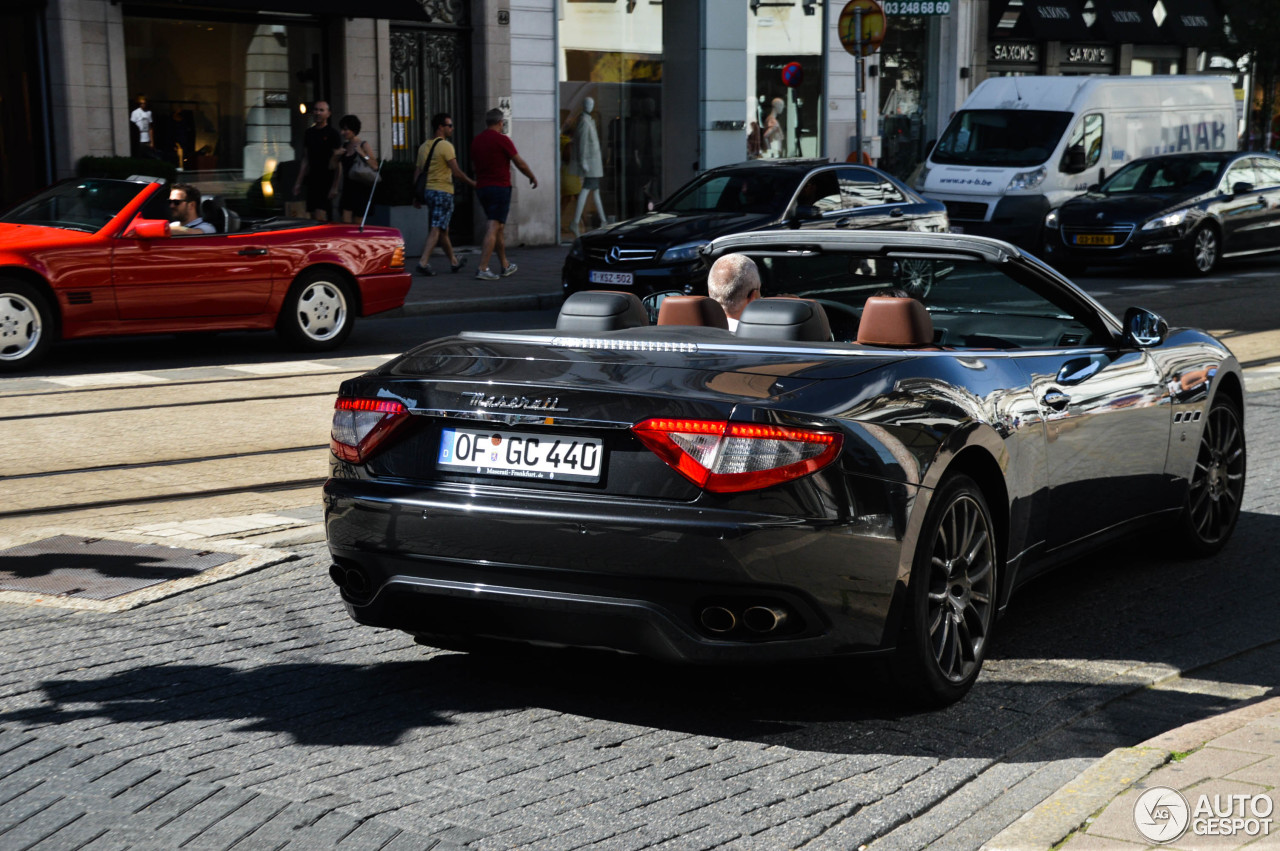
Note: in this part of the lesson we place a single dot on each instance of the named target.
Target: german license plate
(520, 455)
(1095, 239)
(618, 279)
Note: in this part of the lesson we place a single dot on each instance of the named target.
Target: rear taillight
(725, 457)
(360, 425)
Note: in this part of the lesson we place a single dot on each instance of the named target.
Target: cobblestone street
(253, 713)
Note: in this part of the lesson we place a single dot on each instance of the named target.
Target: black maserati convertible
(853, 471)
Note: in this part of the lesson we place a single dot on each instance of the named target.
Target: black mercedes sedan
(1190, 209)
(661, 250)
(877, 482)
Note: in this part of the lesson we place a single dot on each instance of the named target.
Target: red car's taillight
(360, 425)
(725, 457)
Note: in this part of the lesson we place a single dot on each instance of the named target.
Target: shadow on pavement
(1074, 652)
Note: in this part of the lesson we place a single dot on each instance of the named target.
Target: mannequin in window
(775, 137)
(587, 163)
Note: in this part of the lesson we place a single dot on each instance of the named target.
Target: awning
(396, 10)
(1039, 20)
(1191, 23)
(1124, 21)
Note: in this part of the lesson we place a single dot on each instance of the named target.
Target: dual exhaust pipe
(352, 580)
(760, 619)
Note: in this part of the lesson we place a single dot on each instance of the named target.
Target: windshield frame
(27, 212)
(1031, 155)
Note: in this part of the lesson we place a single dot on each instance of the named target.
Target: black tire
(316, 314)
(952, 598)
(1216, 490)
(26, 325)
(1206, 250)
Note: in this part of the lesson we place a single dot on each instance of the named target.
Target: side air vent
(1070, 339)
(80, 298)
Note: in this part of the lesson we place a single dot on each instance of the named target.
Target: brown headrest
(888, 321)
(692, 310)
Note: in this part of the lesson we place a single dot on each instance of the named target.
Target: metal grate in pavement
(98, 568)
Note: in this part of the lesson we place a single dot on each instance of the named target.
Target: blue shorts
(496, 201)
(441, 206)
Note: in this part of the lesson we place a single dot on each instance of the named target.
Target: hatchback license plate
(618, 279)
(1095, 239)
(521, 455)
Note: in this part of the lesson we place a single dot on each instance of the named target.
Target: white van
(1021, 146)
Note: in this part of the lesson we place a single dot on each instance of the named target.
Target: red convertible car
(95, 257)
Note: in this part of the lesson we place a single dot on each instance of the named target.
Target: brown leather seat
(900, 322)
(692, 310)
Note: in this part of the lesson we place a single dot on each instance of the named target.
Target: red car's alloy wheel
(25, 324)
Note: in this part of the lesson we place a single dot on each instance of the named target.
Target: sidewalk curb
(1065, 811)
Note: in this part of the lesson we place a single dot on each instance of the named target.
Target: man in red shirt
(492, 152)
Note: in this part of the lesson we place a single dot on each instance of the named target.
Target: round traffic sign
(873, 24)
(792, 74)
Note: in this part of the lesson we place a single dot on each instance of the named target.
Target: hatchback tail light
(361, 425)
(725, 457)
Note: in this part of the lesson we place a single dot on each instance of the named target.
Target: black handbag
(420, 188)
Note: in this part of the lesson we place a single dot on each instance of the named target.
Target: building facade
(613, 103)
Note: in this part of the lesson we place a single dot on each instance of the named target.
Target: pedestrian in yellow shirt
(439, 161)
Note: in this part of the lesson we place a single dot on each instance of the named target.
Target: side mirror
(1144, 329)
(1074, 161)
(805, 213)
(1241, 188)
(1094, 187)
(148, 229)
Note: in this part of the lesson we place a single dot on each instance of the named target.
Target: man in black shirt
(316, 173)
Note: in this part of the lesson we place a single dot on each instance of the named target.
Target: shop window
(228, 99)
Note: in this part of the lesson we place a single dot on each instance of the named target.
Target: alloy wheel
(1217, 485)
(960, 601)
(1204, 252)
(321, 311)
(20, 327)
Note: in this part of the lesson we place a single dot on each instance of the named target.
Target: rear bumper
(383, 292)
(636, 578)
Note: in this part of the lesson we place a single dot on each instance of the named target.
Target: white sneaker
(510, 270)
(486, 275)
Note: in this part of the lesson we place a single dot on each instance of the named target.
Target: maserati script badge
(515, 403)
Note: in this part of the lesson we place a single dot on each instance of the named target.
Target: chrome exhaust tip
(718, 619)
(338, 574)
(763, 619)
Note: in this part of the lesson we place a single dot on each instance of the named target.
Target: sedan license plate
(1095, 239)
(618, 279)
(521, 455)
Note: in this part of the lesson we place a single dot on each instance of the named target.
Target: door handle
(251, 252)
(844, 222)
(1056, 399)
(896, 213)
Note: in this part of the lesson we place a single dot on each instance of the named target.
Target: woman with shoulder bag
(358, 170)
(436, 170)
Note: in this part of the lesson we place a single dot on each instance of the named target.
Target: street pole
(857, 64)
